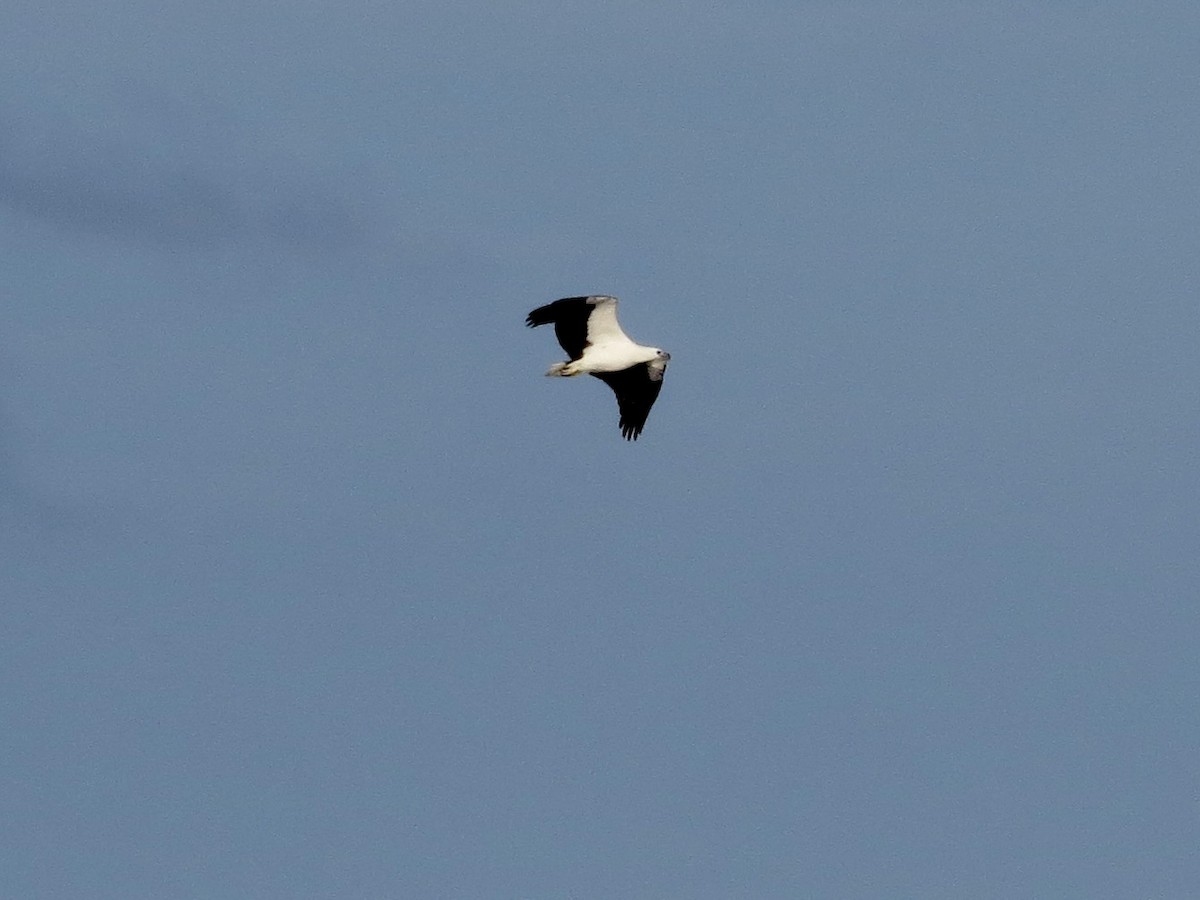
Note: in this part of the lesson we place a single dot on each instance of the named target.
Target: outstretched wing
(636, 388)
(580, 321)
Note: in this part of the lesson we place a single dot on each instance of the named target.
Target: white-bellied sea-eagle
(587, 329)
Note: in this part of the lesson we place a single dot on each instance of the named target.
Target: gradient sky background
(313, 586)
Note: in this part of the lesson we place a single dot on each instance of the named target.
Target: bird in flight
(588, 330)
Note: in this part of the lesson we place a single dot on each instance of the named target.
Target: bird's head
(663, 355)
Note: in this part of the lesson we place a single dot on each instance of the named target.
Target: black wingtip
(570, 307)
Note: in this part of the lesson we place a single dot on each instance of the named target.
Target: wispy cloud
(132, 173)
(91, 191)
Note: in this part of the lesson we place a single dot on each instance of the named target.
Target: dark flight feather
(570, 318)
(636, 392)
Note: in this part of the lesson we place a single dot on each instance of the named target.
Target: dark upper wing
(570, 318)
(636, 389)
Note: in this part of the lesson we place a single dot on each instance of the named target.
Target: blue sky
(315, 587)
